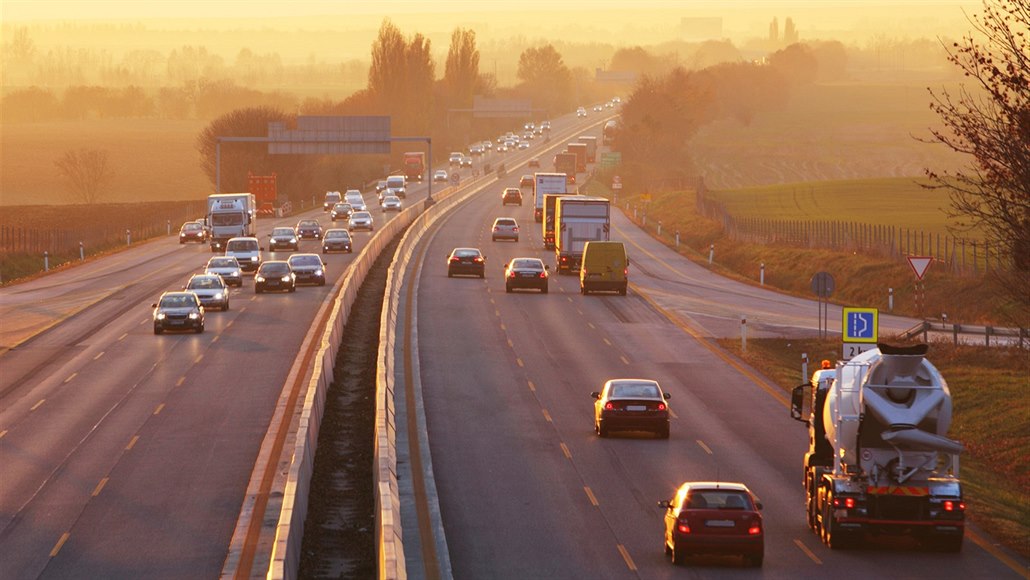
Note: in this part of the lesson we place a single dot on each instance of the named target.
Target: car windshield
(282, 232)
(192, 226)
(715, 499)
(505, 222)
(527, 264)
(635, 390)
(342, 207)
(399, 182)
(331, 197)
(362, 215)
(466, 253)
(337, 234)
(204, 283)
(227, 219)
(222, 263)
(241, 246)
(309, 224)
(177, 301)
(305, 261)
(274, 269)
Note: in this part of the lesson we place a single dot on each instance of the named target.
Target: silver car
(505, 228)
(360, 220)
(227, 267)
(211, 290)
(391, 203)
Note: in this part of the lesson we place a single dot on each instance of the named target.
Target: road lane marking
(142, 322)
(580, 312)
(123, 336)
(606, 341)
(565, 450)
(181, 380)
(547, 415)
(503, 327)
(2, 433)
(198, 359)
(569, 298)
(70, 377)
(591, 325)
(215, 339)
(625, 556)
(60, 543)
(519, 362)
(157, 411)
(707, 449)
(511, 344)
(36, 406)
(532, 386)
(590, 494)
(231, 321)
(100, 486)
(492, 301)
(624, 359)
(132, 442)
(99, 355)
(807, 552)
(497, 313)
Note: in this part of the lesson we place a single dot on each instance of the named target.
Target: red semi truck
(414, 165)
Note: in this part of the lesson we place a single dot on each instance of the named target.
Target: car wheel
(257, 290)
(507, 288)
(293, 288)
(493, 238)
(200, 329)
(663, 433)
(622, 291)
(679, 558)
(321, 282)
(952, 544)
(158, 330)
(482, 275)
(583, 290)
(226, 307)
(516, 239)
(544, 290)
(450, 274)
(602, 430)
(754, 560)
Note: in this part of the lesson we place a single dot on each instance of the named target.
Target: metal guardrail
(924, 328)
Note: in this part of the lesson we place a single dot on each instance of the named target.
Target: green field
(896, 201)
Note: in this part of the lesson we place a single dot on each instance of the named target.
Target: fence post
(677, 239)
(82, 253)
(890, 299)
(128, 237)
(711, 254)
(659, 228)
(761, 274)
(46, 261)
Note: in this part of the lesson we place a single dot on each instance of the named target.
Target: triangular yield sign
(919, 264)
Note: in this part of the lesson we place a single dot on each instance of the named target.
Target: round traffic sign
(823, 284)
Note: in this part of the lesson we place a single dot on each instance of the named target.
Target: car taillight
(609, 406)
(848, 503)
(950, 506)
(515, 229)
(661, 406)
(497, 228)
(511, 274)
(625, 271)
(755, 528)
(564, 258)
(477, 259)
(543, 274)
(455, 260)
(682, 527)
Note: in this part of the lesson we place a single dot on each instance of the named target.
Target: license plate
(176, 322)
(636, 407)
(719, 523)
(528, 275)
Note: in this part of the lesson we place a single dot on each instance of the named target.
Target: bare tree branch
(87, 172)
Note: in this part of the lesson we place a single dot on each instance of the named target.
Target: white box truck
(543, 184)
(577, 220)
(231, 215)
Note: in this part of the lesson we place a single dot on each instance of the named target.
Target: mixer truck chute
(879, 460)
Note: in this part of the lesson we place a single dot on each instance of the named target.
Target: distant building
(701, 28)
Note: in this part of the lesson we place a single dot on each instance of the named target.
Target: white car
(227, 267)
(523, 145)
(360, 220)
(391, 203)
(246, 250)
(581, 112)
(455, 158)
(440, 176)
(211, 290)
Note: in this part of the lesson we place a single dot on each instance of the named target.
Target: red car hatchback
(706, 517)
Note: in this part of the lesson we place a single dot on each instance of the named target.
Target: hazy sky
(17, 10)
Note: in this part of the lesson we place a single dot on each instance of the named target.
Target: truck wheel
(952, 544)
(834, 539)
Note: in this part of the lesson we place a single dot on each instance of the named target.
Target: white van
(247, 252)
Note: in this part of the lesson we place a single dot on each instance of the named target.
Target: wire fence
(962, 256)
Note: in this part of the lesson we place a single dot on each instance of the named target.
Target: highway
(527, 490)
(125, 454)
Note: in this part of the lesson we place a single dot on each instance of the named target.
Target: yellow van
(605, 268)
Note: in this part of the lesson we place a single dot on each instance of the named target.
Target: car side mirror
(262, 248)
(154, 305)
(797, 402)
(665, 504)
(183, 287)
(758, 505)
(667, 396)
(595, 395)
(546, 267)
(269, 235)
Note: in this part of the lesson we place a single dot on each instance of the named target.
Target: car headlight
(182, 235)
(259, 278)
(235, 273)
(218, 296)
(160, 316)
(253, 258)
(286, 278)
(194, 315)
(318, 272)
(293, 240)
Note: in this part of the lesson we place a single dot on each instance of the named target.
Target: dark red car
(706, 517)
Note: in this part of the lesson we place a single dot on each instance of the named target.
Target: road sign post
(919, 265)
(823, 286)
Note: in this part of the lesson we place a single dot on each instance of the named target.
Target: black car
(283, 239)
(341, 211)
(468, 261)
(309, 229)
(631, 405)
(525, 273)
(337, 240)
(308, 268)
(275, 275)
(178, 311)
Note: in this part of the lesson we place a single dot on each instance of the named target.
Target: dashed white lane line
(37, 405)
(807, 552)
(99, 487)
(100, 354)
(132, 442)
(70, 377)
(707, 449)
(590, 495)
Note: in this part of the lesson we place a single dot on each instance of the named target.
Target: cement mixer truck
(878, 460)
